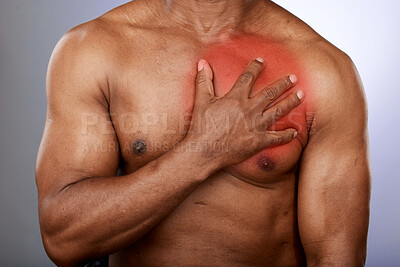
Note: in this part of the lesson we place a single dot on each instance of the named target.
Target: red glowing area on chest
(229, 59)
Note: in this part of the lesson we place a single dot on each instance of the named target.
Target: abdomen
(225, 222)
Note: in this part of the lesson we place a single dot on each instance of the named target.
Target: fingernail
(300, 94)
(200, 65)
(295, 134)
(293, 78)
(261, 60)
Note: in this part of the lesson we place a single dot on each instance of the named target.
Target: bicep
(333, 196)
(334, 180)
(78, 140)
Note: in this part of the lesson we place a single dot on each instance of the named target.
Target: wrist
(201, 154)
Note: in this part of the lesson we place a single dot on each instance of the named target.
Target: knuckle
(268, 120)
(200, 79)
(248, 76)
(295, 100)
(292, 102)
(278, 111)
(286, 82)
(271, 93)
(276, 140)
(287, 135)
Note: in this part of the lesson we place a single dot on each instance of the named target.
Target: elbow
(59, 247)
(58, 254)
(325, 261)
(67, 253)
(343, 257)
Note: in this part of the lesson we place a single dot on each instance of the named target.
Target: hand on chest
(163, 114)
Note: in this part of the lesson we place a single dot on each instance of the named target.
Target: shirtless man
(223, 162)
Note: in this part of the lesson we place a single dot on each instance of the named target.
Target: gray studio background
(367, 30)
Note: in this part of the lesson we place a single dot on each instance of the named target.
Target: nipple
(139, 147)
(265, 163)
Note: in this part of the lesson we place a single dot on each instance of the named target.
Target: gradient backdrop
(367, 30)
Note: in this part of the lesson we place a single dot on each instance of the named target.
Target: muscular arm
(334, 182)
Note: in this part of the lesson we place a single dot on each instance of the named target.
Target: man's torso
(242, 215)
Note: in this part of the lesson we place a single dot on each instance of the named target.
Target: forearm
(98, 216)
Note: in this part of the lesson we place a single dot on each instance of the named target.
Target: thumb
(204, 82)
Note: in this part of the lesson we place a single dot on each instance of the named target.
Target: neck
(210, 18)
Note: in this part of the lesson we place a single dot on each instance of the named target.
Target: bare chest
(151, 103)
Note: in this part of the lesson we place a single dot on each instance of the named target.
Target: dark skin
(179, 202)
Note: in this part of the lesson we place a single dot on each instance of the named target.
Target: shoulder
(323, 58)
(80, 58)
(91, 41)
(333, 77)
(107, 36)
(105, 42)
(336, 88)
(88, 53)
(336, 95)
(80, 64)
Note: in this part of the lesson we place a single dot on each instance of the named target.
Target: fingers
(246, 80)
(282, 108)
(204, 82)
(276, 138)
(274, 90)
